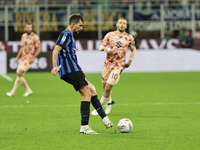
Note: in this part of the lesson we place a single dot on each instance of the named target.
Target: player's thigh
(23, 66)
(114, 77)
(77, 79)
(105, 74)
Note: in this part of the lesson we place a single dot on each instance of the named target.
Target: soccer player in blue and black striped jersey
(64, 55)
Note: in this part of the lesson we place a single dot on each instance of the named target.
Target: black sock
(85, 112)
(97, 105)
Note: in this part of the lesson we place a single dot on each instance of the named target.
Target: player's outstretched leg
(103, 101)
(98, 107)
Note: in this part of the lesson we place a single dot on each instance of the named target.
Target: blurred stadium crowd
(120, 3)
(147, 18)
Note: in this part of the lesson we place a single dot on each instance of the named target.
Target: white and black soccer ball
(125, 125)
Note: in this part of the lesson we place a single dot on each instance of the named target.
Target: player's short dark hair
(75, 18)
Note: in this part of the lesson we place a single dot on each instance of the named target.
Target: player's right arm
(21, 49)
(104, 45)
(19, 54)
(56, 50)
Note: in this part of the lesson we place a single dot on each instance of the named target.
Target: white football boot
(94, 112)
(87, 130)
(27, 93)
(11, 93)
(107, 122)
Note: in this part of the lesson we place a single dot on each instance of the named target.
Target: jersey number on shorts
(114, 76)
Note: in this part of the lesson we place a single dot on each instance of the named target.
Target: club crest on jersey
(63, 39)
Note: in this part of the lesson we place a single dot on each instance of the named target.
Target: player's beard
(121, 30)
(75, 32)
(28, 32)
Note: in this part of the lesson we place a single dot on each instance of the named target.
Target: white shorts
(24, 65)
(110, 76)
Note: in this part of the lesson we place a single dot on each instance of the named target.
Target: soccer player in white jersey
(115, 44)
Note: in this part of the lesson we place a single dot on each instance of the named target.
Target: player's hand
(16, 59)
(110, 53)
(31, 60)
(126, 65)
(54, 71)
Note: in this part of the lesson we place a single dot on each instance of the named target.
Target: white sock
(109, 101)
(84, 127)
(105, 119)
(103, 100)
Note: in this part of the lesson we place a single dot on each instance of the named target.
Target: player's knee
(86, 97)
(20, 73)
(93, 91)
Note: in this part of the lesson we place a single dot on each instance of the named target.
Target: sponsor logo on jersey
(63, 39)
(118, 44)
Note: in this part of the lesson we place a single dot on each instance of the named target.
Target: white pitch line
(160, 103)
(7, 77)
(126, 104)
(6, 106)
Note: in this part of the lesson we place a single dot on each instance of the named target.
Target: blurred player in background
(64, 55)
(115, 44)
(30, 48)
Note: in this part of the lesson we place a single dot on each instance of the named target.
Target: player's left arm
(37, 52)
(56, 50)
(132, 55)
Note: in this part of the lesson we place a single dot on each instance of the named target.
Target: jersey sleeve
(106, 39)
(37, 41)
(63, 39)
(132, 43)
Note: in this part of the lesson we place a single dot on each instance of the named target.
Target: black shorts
(77, 79)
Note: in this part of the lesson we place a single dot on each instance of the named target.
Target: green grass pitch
(164, 109)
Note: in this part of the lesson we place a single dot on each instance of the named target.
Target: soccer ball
(125, 125)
